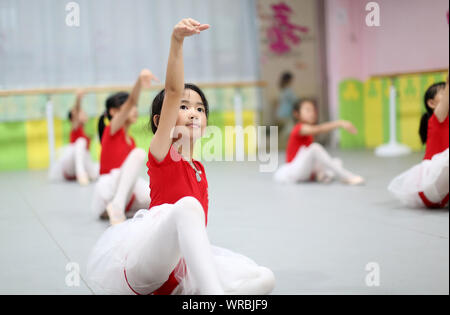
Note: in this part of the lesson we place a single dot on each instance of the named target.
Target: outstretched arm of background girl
(314, 130)
(75, 112)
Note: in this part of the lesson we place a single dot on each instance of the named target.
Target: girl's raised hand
(79, 93)
(188, 27)
(146, 78)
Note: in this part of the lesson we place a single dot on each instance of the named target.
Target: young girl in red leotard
(166, 250)
(427, 184)
(75, 162)
(307, 160)
(119, 189)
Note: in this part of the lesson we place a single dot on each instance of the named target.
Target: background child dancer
(166, 250)
(119, 188)
(427, 184)
(307, 160)
(75, 162)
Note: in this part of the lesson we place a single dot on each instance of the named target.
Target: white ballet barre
(393, 148)
(238, 103)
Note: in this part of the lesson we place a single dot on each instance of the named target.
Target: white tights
(309, 160)
(182, 233)
(79, 162)
(129, 174)
(117, 188)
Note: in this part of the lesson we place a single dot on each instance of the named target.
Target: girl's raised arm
(76, 109)
(174, 88)
(144, 81)
(441, 110)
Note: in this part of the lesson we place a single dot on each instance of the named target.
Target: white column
(393, 148)
(50, 131)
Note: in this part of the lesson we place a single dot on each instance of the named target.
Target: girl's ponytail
(114, 101)
(101, 126)
(423, 130)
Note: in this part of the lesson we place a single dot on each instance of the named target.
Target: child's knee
(138, 154)
(81, 142)
(189, 207)
(315, 147)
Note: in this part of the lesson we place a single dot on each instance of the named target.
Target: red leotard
(78, 133)
(296, 141)
(115, 150)
(171, 180)
(438, 137)
(437, 142)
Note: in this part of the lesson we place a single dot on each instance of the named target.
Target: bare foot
(115, 216)
(83, 180)
(354, 181)
(324, 177)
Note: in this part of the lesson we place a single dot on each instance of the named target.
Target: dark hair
(430, 94)
(114, 101)
(159, 99)
(285, 79)
(70, 116)
(298, 105)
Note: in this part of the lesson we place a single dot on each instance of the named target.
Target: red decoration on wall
(283, 34)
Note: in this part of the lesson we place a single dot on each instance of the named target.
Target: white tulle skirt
(421, 178)
(107, 262)
(64, 166)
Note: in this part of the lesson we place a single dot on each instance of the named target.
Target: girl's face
(192, 121)
(307, 113)
(436, 100)
(82, 117)
(133, 115)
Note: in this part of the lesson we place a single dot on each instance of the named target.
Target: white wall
(117, 38)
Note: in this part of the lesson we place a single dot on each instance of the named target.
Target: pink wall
(344, 51)
(413, 36)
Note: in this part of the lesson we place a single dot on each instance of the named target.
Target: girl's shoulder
(297, 127)
(171, 157)
(435, 121)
